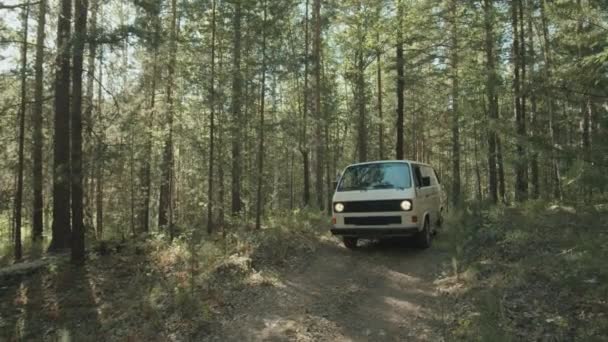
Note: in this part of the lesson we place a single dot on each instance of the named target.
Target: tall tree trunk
(587, 112)
(476, 140)
(291, 180)
(22, 107)
(61, 147)
(99, 182)
(533, 113)
(80, 27)
(88, 143)
(555, 172)
(586, 107)
(236, 112)
(304, 134)
(132, 179)
(306, 167)
(379, 91)
(98, 173)
(328, 158)
(328, 180)
(319, 158)
(400, 82)
(501, 172)
(455, 98)
(220, 168)
(165, 212)
(220, 142)
(258, 204)
(518, 55)
(212, 127)
(123, 14)
(491, 81)
(146, 174)
(362, 129)
(37, 137)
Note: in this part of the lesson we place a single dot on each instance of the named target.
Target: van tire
(350, 242)
(423, 237)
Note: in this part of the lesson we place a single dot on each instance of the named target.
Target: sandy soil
(379, 292)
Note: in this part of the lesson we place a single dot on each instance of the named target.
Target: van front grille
(372, 206)
(372, 220)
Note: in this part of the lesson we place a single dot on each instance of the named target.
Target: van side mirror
(426, 181)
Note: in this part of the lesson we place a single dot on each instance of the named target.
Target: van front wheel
(423, 237)
(350, 242)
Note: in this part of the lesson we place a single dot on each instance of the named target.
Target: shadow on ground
(51, 305)
(383, 291)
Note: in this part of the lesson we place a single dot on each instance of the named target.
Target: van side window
(417, 175)
(427, 172)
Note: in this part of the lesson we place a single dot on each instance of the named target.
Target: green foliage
(564, 73)
(534, 270)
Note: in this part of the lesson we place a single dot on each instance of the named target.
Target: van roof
(391, 161)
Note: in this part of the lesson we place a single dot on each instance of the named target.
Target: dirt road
(380, 292)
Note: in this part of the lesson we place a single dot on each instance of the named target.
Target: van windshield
(376, 176)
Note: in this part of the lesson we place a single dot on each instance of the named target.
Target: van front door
(433, 193)
(422, 193)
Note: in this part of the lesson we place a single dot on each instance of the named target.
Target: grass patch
(535, 272)
(153, 289)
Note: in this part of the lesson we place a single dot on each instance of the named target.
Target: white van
(393, 198)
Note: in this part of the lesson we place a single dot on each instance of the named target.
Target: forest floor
(379, 292)
(532, 273)
(308, 289)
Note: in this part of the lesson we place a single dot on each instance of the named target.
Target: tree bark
(501, 172)
(379, 91)
(146, 174)
(37, 137)
(22, 108)
(258, 204)
(534, 173)
(455, 98)
(99, 164)
(220, 145)
(491, 81)
(518, 56)
(212, 126)
(236, 112)
(80, 27)
(362, 129)
(555, 171)
(400, 82)
(88, 141)
(319, 158)
(61, 147)
(99, 182)
(304, 134)
(586, 109)
(476, 140)
(165, 210)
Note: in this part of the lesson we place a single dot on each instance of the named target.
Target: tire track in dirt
(380, 292)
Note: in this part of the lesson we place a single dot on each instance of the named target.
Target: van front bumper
(375, 232)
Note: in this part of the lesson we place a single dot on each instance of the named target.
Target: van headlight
(339, 207)
(406, 205)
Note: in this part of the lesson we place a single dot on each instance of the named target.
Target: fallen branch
(29, 267)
